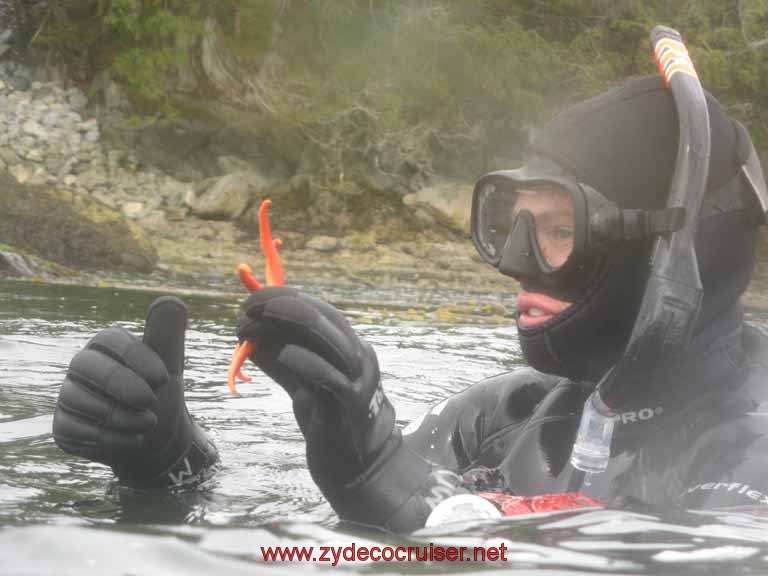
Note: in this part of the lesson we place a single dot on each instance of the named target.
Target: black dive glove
(354, 450)
(122, 403)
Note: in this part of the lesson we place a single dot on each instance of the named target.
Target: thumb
(164, 332)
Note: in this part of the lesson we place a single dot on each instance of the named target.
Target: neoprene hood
(623, 143)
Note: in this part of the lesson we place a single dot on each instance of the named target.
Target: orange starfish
(274, 277)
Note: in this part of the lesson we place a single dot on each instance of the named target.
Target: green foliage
(410, 88)
(139, 40)
(149, 51)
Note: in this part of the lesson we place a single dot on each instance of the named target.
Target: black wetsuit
(693, 436)
(696, 437)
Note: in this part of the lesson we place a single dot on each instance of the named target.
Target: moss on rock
(70, 229)
(312, 206)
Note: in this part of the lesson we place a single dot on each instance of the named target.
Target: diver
(576, 227)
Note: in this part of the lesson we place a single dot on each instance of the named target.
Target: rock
(21, 173)
(176, 214)
(19, 83)
(54, 163)
(77, 99)
(74, 117)
(12, 264)
(66, 168)
(90, 125)
(70, 229)
(189, 198)
(33, 154)
(39, 176)
(70, 180)
(131, 162)
(229, 164)
(452, 200)
(8, 156)
(174, 193)
(2, 85)
(132, 210)
(154, 221)
(228, 197)
(23, 71)
(74, 140)
(92, 178)
(34, 129)
(424, 216)
(359, 242)
(323, 244)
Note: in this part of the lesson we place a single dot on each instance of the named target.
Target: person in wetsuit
(694, 435)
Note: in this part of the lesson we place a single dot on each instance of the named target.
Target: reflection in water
(263, 494)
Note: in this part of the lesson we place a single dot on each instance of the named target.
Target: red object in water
(274, 277)
(247, 278)
(512, 505)
(274, 271)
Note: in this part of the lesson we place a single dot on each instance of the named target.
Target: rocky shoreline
(199, 210)
(204, 224)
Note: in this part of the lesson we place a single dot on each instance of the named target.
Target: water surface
(63, 515)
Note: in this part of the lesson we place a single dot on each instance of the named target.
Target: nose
(518, 259)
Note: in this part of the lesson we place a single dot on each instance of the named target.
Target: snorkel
(673, 293)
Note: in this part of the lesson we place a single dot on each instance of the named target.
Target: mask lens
(552, 212)
(495, 215)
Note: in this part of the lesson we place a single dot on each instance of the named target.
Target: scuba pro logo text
(639, 415)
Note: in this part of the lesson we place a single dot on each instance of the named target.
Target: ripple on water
(263, 494)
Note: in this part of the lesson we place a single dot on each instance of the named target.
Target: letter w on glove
(122, 403)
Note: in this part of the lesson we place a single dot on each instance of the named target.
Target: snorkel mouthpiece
(592, 448)
(673, 292)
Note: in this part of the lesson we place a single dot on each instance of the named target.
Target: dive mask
(538, 224)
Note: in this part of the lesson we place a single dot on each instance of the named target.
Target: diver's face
(553, 215)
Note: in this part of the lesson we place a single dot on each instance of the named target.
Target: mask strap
(638, 224)
(609, 224)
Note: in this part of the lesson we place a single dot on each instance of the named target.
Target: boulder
(133, 210)
(12, 264)
(70, 229)
(228, 163)
(228, 197)
(175, 193)
(452, 200)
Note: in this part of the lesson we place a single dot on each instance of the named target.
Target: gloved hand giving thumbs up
(122, 403)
